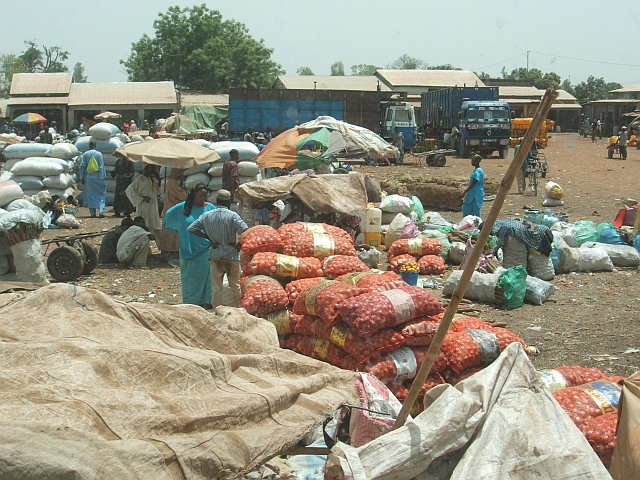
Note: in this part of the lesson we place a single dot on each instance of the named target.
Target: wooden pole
(446, 321)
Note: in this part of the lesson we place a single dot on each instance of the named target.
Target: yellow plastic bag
(92, 166)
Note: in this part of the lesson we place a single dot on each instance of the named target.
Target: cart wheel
(610, 152)
(90, 257)
(440, 160)
(431, 161)
(65, 263)
(340, 171)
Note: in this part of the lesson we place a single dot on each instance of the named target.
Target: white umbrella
(107, 116)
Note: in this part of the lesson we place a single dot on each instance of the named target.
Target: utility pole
(528, 52)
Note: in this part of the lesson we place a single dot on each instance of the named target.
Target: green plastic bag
(586, 232)
(417, 207)
(602, 227)
(514, 284)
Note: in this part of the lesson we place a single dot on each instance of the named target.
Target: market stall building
(612, 111)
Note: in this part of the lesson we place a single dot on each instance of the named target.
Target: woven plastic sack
(514, 284)
(295, 287)
(570, 376)
(398, 261)
(289, 230)
(539, 266)
(40, 167)
(27, 258)
(337, 265)
(593, 260)
(373, 281)
(402, 364)
(514, 253)
(261, 238)
(418, 332)
(103, 131)
(192, 180)
(585, 232)
(285, 266)
(538, 291)
(216, 169)
(103, 146)
(554, 191)
(589, 401)
(246, 150)
(600, 432)
(263, 295)
(396, 204)
(325, 299)
(620, 255)
(287, 322)
(362, 349)
(418, 247)
(63, 151)
(28, 182)
(248, 169)
(322, 349)
(318, 245)
(374, 311)
(431, 265)
(5, 266)
(24, 150)
(481, 287)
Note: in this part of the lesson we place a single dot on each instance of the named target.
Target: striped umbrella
(29, 118)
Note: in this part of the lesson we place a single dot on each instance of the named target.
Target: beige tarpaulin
(97, 388)
(625, 464)
(167, 152)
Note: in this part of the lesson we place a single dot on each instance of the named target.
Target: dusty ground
(590, 321)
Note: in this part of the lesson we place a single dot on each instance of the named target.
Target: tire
(431, 161)
(610, 151)
(440, 160)
(504, 152)
(90, 257)
(65, 263)
(340, 171)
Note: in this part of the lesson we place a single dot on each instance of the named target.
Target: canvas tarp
(97, 388)
(625, 464)
(206, 116)
(501, 423)
(343, 194)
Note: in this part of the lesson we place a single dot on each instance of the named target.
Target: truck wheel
(610, 152)
(90, 257)
(440, 160)
(65, 263)
(504, 152)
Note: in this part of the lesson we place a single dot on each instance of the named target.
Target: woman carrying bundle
(195, 268)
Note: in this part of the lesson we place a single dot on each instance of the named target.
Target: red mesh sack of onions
(325, 299)
(469, 323)
(589, 401)
(362, 349)
(374, 311)
(418, 247)
(402, 364)
(262, 295)
(318, 245)
(397, 262)
(289, 230)
(418, 332)
(245, 264)
(431, 265)
(314, 347)
(452, 377)
(295, 287)
(570, 376)
(476, 347)
(287, 322)
(261, 238)
(374, 281)
(600, 432)
(337, 265)
(401, 390)
(284, 266)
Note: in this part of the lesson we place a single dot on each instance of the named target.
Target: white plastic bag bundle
(594, 260)
(27, 257)
(202, 142)
(538, 291)
(550, 202)
(456, 253)
(433, 221)
(67, 220)
(192, 180)
(620, 255)
(553, 191)
(540, 266)
(566, 231)
(22, 204)
(248, 169)
(395, 229)
(246, 150)
(371, 257)
(64, 151)
(103, 131)
(482, 287)
(396, 204)
(41, 167)
(469, 224)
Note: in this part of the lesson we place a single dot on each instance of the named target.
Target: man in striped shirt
(221, 227)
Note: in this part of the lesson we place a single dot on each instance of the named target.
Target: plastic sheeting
(625, 464)
(501, 423)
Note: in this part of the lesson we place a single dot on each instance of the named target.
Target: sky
(597, 38)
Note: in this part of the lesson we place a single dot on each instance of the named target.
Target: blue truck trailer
(282, 109)
(484, 122)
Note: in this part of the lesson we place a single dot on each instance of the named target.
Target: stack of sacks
(37, 167)
(422, 251)
(107, 138)
(10, 191)
(247, 168)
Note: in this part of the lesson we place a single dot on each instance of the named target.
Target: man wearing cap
(222, 227)
(623, 138)
(474, 194)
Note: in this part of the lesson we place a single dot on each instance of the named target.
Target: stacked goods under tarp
(38, 167)
(519, 127)
(248, 170)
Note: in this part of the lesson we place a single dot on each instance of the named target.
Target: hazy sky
(573, 39)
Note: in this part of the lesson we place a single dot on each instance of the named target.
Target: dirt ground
(592, 319)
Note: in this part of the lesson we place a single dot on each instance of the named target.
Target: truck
(282, 109)
(484, 122)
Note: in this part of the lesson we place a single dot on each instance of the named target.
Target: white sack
(216, 169)
(620, 255)
(192, 180)
(247, 150)
(538, 291)
(63, 151)
(61, 181)
(9, 191)
(24, 150)
(248, 169)
(27, 258)
(395, 229)
(38, 167)
(103, 131)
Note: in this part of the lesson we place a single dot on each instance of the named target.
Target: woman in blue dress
(195, 269)
(474, 194)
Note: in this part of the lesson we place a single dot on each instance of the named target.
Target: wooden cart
(72, 257)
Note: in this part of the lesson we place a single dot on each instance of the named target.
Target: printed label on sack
(402, 304)
(553, 379)
(415, 246)
(287, 266)
(606, 395)
(354, 278)
(321, 348)
(255, 278)
(323, 245)
(314, 227)
(487, 344)
(406, 364)
(339, 334)
(280, 320)
(310, 297)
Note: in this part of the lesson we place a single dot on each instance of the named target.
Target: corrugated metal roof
(513, 92)
(430, 78)
(633, 88)
(124, 93)
(38, 101)
(330, 82)
(40, 84)
(520, 101)
(566, 106)
(199, 98)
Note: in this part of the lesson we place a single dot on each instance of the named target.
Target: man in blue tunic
(474, 194)
(93, 174)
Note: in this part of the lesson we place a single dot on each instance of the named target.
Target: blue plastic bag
(611, 236)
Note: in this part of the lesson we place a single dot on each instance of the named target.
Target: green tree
(78, 74)
(483, 75)
(446, 66)
(199, 50)
(567, 87)
(407, 62)
(363, 69)
(9, 64)
(304, 71)
(45, 59)
(535, 77)
(594, 89)
(337, 69)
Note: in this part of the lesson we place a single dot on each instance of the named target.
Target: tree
(406, 62)
(304, 71)
(594, 89)
(446, 66)
(199, 50)
(78, 74)
(483, 75)
(9, 64)
(45, 60)
(363, 69)
(567, 87)
(337, 69)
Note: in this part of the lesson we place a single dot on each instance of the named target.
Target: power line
(498, 63)
(589, 61)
